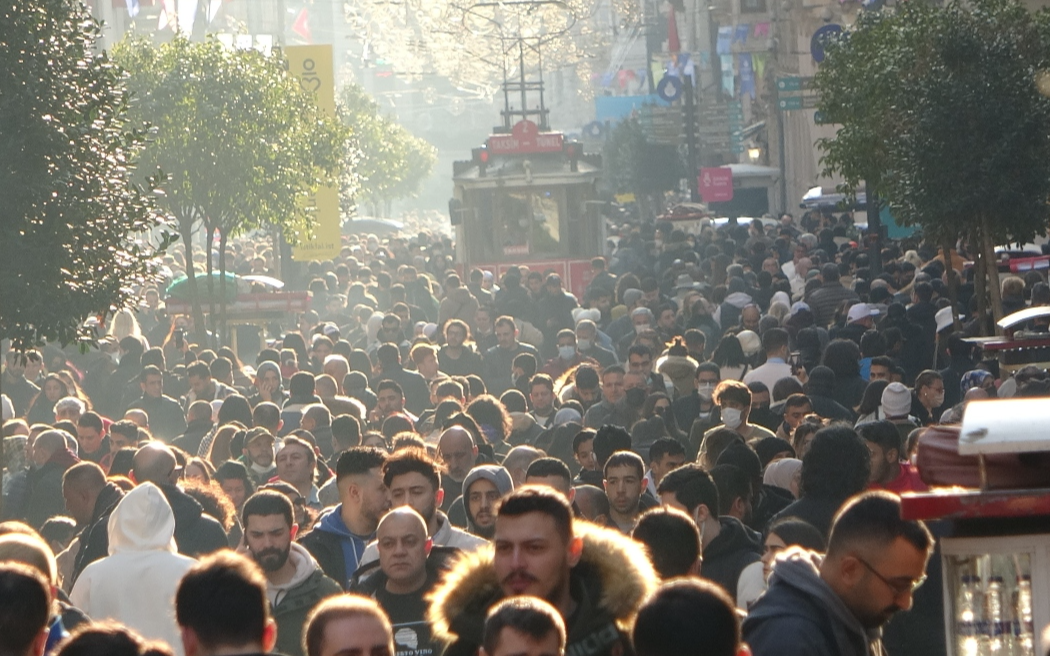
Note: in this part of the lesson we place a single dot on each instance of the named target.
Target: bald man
(196, 533)
(459, 453)
(138, 417)
(404, 575)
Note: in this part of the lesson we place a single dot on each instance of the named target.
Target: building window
(752, 6)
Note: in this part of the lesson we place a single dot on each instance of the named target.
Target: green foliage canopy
(73, 226)
(940, 110)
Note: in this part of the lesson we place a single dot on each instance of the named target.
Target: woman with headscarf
(975, 384)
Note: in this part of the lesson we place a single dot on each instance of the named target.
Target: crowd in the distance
(490, 464)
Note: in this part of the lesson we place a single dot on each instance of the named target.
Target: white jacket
(136, 583)
(447, 535)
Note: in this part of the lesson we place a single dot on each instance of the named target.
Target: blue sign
(669, 88)
(820, 37)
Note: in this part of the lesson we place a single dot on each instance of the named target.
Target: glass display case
(996, 594)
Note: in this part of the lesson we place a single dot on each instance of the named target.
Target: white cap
(860, 311)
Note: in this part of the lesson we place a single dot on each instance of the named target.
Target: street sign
(820, 37)
(525, 137)
(716, 184)
(791, 103)
(794, 84)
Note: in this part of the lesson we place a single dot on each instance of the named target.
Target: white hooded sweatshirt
(136, 583)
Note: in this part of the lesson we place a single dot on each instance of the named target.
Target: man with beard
(257, 455)
(836, 604)
(407, 570)
(624, 481)
(594, 577)
(294, 580)
(341, 533)
(456, 358)
(483, 487)
(414, 481)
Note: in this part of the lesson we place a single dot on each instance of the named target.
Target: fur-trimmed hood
(619, 565)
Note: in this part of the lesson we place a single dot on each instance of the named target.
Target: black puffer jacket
(726, 556)
(196, 534)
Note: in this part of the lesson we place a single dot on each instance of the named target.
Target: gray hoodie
(800, 615)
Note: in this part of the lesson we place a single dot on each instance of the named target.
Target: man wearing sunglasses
(836, 604)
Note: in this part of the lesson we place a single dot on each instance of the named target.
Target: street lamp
(754, 153)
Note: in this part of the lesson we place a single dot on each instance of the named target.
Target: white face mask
(731, 417)
(706, 391)
(566, 352)
(640, 328)
(937, 400)
(583, 344)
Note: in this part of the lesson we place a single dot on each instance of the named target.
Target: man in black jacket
(727, 546)
(417, 394)
(166, 418)
(196, 533)
(90, 499)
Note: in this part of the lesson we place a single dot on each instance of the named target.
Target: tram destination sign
(525, 137)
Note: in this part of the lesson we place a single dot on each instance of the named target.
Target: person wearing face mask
(568, 355)
(587, 344)
(699, 405)
(734, 402)
(928, 397)
(641, 321)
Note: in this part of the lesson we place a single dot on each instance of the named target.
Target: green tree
(940, 108)
(74, 230)
(243, 144)
(631, 164)
(393, 162)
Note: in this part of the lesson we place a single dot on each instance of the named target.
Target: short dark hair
(221, 367)
(359, 460)
(549, 467)
(665, 446)
(774, 339)
(796, 401)
(608, 440)
(625, 459)
(613, 369)
(836, 465)
(25, 606)
(266, 415)
(541, 379)
(583, 436)
(794, 531)
(691, 487)
(149, 370)
(733, 390)
(874, 518)
(883, 361)
(223, 600)
(884, 433)
(90, 420)
(346, 429)
(125, 428)
(543, 500)
(199, 369)
(406, 461)
(232, 469)
(301, 384)
(586, 377)
(389, 384)
(732, 484)
(450, 388)
(528, 615)
(685, 613)
(671, 539)
(267, 502)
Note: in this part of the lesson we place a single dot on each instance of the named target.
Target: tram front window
(531, 223)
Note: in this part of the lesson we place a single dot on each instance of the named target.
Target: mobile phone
(795, 360)
(178, 338)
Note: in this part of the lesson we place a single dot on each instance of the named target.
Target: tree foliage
(72, 222)
(393, 162)
(634, 165)
(242, 143)
(940, 110)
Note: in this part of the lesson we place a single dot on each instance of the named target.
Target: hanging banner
(727, 76)
(747, 75)
(312, 67)
(758, 61)
(741, 33)
(725, 40)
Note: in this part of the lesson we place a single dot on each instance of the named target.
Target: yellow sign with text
(312, 67)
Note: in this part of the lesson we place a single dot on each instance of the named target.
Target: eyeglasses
(897, 588)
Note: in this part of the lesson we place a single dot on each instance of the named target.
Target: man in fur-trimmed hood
(596, 578)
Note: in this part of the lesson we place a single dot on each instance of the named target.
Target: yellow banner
(312, 66)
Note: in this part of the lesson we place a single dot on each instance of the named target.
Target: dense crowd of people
(469, 463)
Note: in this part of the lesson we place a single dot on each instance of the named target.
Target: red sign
(525, 137)
(716, 184)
